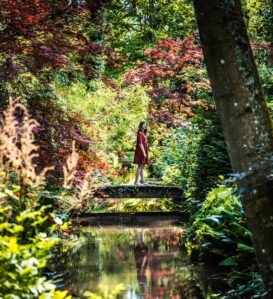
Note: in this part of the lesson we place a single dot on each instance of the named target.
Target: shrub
(113, 112)
(104, 293)
(25, 247)
(192, 156)
(25, 240)
(219, 229)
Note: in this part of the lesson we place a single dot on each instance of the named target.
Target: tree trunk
(244, 116)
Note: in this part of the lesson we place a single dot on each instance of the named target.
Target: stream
(148, 262)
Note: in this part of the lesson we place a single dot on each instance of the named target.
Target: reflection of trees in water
(92, 255)
(159, 255)
(76, 265)
(150, 257)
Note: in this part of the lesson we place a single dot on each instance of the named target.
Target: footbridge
(139, 191)
(137, 218)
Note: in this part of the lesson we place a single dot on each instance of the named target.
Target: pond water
(148, 262)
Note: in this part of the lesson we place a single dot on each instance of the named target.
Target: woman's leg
(138, 173)
(142, 180)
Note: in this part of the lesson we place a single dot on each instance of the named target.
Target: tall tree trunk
(244, 116)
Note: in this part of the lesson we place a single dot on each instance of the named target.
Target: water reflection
(141, 258)
(148, 262)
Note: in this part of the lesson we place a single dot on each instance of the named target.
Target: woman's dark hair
(140, 126)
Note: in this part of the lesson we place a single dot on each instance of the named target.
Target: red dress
(139, 157)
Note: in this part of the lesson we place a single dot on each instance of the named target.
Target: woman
(141, 152)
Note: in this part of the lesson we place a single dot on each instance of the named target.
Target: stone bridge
(140, 191)
(137, 218)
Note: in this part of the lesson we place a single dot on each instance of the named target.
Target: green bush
(114, 113)
(192, 156)
(136, 205)
(105, 293)
(219, 229)
(245, 284)
(23, 257)
(218, 233)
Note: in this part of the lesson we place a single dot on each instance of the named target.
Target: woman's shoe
(144, 183)
(137, 183)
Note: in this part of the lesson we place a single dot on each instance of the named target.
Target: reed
(18, 151)
(76, 195)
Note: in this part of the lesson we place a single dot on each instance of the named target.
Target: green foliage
(259, 17)
(192, 155)
(219, 229)
(24, 250)
(264, 64)
(137, 205)
(132, 26)
(114, 113)
(243, 285)
(175, 159)
(104, 293)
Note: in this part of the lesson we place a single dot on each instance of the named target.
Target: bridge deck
(139, 191)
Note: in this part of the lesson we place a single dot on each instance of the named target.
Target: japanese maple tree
(163, 71)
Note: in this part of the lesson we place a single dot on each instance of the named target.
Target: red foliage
(39, 34)
(55, 135)
(264, 46)
(167, 59)
(171, 93)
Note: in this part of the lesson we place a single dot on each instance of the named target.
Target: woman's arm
(142, 141)
(143, 151)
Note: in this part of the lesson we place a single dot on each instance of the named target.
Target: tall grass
(18, 151)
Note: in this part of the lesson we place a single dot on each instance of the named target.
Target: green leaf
(228, 262)
(244, 247)
(227, 240)
(207, 245)
(217, 251)
(228, 214)
(212, 219)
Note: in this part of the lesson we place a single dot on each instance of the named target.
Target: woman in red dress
(141, 152)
